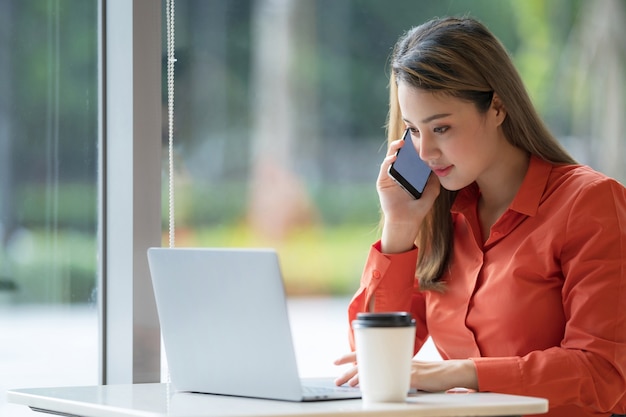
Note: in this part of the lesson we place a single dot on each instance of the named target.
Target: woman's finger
(350, 377)
(347, 358)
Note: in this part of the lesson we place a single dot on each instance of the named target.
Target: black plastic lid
(391, 319)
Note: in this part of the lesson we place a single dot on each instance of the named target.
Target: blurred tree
(52, 59)
(597, 64)
(279, 202)
(7, 198)
(542, 29)
(535, 55)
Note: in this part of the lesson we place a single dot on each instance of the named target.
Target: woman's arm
(389, 279)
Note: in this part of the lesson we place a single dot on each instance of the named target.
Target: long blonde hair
(460, 57)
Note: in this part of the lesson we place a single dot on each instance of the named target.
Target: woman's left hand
(443, 375)
(425, 376)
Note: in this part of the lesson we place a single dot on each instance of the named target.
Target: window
(78, 210)
(48, 194)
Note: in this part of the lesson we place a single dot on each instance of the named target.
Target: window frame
(129, 204)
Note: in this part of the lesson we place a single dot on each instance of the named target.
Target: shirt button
(376, 274)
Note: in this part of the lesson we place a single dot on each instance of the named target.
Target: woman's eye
(441, 129)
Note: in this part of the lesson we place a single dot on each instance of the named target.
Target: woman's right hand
(402, 213)
(351, 376)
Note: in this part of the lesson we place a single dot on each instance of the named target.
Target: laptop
(225, 325)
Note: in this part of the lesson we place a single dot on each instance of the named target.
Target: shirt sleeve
(591, 361)
(390, 279)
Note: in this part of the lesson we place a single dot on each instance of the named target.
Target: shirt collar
(526, 200)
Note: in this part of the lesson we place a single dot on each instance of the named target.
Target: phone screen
(408, 169)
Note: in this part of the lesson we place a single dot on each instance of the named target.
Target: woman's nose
(427, 148)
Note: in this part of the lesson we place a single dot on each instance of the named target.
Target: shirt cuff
(503, 375)
(390, 277)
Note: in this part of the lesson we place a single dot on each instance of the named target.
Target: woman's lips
(442, 172)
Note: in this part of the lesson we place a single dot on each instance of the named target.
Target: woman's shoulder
(577, 179)
(578, 175)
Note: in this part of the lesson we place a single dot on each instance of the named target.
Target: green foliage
(69, 205)
(325, 258)
(316, 260)
(52, 268)
(55, 64)
(542, 30)
(52, 265)
(201, 204)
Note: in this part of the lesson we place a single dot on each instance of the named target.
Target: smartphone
(408, 169)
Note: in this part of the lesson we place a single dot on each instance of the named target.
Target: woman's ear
(497, 106)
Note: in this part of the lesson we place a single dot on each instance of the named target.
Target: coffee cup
(384, 349)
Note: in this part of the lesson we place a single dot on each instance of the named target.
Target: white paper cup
(384, 349)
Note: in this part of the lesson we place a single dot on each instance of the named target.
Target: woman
(513, 258)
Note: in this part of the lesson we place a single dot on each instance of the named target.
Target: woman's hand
(403, 214)
(425, 376)
(443, 375)
(351, 376)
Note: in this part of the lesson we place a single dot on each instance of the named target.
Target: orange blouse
(540, 307)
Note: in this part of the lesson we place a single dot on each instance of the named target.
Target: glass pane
(48, 195)
(280, 108)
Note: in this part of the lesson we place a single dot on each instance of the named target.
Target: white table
(159, 400)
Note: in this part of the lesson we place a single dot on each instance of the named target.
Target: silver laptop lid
(224, 321)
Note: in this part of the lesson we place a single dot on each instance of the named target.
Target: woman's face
(459, 143)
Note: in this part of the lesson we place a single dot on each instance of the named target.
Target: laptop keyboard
(311, 390)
